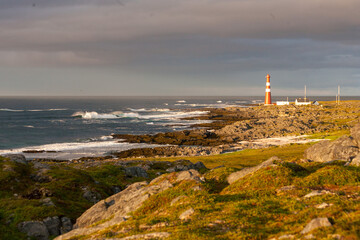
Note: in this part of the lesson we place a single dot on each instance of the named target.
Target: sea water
(73, 127)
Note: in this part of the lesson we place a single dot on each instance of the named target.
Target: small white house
(302, 102)
(280, 103)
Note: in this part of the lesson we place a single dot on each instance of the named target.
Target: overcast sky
(179, 47)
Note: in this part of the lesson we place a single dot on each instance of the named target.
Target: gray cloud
(184, 40)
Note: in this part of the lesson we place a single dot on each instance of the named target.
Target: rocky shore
(312, 195)
(234, 129)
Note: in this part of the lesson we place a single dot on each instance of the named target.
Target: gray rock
(66, 225)
(187, 214)
(136, 172)
(355, 133)
(246, 171)
(317, 193)
(121, 205)
(53, 225)
(322, 205)
(34, 229)
(176, 200)
(316, 223)
(47, 202)
(39, 165)
(189, 175)
(344, 148)
(199, 165)
(18, 158)
(355, 161)
(154, 235)
(91, 196)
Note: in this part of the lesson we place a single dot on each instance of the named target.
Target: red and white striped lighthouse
(267, 91)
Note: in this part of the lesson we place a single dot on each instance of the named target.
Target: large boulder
(246, 171)
(344, 148)
(53, 225)
(136, 172)
(316, 223)
(35, 229)
(355, 133)
(115, 209)
(355, 161)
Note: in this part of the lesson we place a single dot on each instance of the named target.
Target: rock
(344, 148)
(199, 165)
(18, 158)
(175, 200)
(40, 176)
(47, 202)
(287, 236)
(154, 235)
(286, 188)
(246, 171)
(355, 133)
(116, 208)
(38, 193)
(66, 225)
(136, 172)
(322, 205)
(355, 161)
(316, 223)
(34, 229)
(197, 188)
(317, 193)
(190, 175)
(309, 236)
(39, 165)
(53, 225)
(187, 214)
(91, 196)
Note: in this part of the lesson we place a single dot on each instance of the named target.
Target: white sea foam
(29, 126)
(10, 110)
(74, 150)
(181, 101)
(113, 115)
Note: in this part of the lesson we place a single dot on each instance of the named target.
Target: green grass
(246, 158)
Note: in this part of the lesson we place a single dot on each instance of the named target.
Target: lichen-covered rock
(344, 148)
(355, 133)
(35, 229)
(66, 225)
(187, 214)
(246, 171)
(53, 225)
(190, 175)
(136, 172)
(316, 223)
(154, 235)
(355, 161)
(115, 208)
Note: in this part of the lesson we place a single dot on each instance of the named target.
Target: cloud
(183, 39)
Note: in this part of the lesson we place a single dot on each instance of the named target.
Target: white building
(282, 103)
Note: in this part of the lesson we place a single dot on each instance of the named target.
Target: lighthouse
(267, 91)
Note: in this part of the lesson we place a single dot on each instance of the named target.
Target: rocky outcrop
(355, 133)
(355, 161)
(316, 223)
(50, 226)
(35, 229)
(344, 148)
(246, 171)
(187, 214)
(155, 235)
(136, 172)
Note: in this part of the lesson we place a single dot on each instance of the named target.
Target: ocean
(73, 127)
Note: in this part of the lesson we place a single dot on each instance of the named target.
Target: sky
(179, 47)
